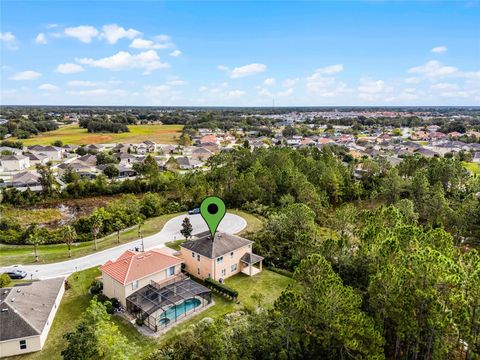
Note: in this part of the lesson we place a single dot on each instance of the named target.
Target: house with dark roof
(220, 257)
(14, 162)
(26, 315)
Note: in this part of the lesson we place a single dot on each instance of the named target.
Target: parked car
(16, 274)
(194, 211)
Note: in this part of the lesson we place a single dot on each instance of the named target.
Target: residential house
(134, 270)
(426, 152)
(126, 159)
(201, 154)
(221, 257)
(37, 158)
(146, 147)
(10, 151)
(185, 163)
(52, 152)
(14, 162)
(209, 139)
(26, 315)
(25, 178)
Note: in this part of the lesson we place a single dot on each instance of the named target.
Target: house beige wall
(114, 289)
(206, 267)
(12, 347)
(34, 343)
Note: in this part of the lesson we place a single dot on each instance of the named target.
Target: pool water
(181, 308)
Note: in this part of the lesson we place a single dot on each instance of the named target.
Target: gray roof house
(26, 314)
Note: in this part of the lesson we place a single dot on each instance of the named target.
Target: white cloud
(147, 60)
(413, 80)
(148, 44)
(82, 83)
(176, 81)
(328, 70)
(444, 86)
(175, 53)
(242, 71)
(9, 40)
(371, 90)
(52, 26)
(112, 33)
(288, 83)
(203, 88)
(26, 75)
(236, 93)
(41, 39)
(287, 92)
(439, 49)
(156, 90)
(433, 69)
(69, 68)
(48, 87)
(265, 92)
(84, 33)
(269, 81)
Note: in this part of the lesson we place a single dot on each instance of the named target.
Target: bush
(96, 287)
(115, 303)
(221, 288)
(4, 280)
(139, 321)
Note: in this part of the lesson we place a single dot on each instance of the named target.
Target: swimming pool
(180, 309)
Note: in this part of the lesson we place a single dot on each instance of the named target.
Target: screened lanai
(160, 306)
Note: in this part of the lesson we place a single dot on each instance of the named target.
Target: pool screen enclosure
(160, 305)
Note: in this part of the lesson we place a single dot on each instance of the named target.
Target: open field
(76, 300)
(23, 254)
(72, 134)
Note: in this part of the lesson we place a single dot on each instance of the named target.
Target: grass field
(76, 300)
(36, 216)
(472, 167)
(72, 134)
(23, 254)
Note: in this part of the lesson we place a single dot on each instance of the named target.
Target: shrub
(96, 287)
(4, 280)
(221, 288)
(139, 321)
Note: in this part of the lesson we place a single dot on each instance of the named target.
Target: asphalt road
(231, 224)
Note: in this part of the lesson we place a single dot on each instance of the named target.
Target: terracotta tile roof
(131, 266)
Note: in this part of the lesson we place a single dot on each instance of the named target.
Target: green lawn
(23, 254)
(474, 168)
(77, 298)
(72, 134)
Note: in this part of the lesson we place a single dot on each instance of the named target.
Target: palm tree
(35, 239)
(96, 226)
(117, 226)
(69, 237)
(140, 221)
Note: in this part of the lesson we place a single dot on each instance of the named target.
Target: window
(23, 344)
(171, 271)
(224, 272)
(249, 246)
(233, 267)
(135, 285)
(198, 257)
(193, 254)
(220, 260)
(231, 255)
(198, 271)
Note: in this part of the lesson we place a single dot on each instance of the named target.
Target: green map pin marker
(212, 210)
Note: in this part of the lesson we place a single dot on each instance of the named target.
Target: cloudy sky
(240, 53)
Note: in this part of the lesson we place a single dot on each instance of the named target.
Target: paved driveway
(171, 231)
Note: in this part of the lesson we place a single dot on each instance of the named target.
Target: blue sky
(240, 53)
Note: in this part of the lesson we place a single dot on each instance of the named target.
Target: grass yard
(23, 254)
(72, 134)
(474, 168)
(77, 298)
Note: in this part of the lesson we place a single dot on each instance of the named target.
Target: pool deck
(146, 331)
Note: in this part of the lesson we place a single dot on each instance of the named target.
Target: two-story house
(221, 257)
